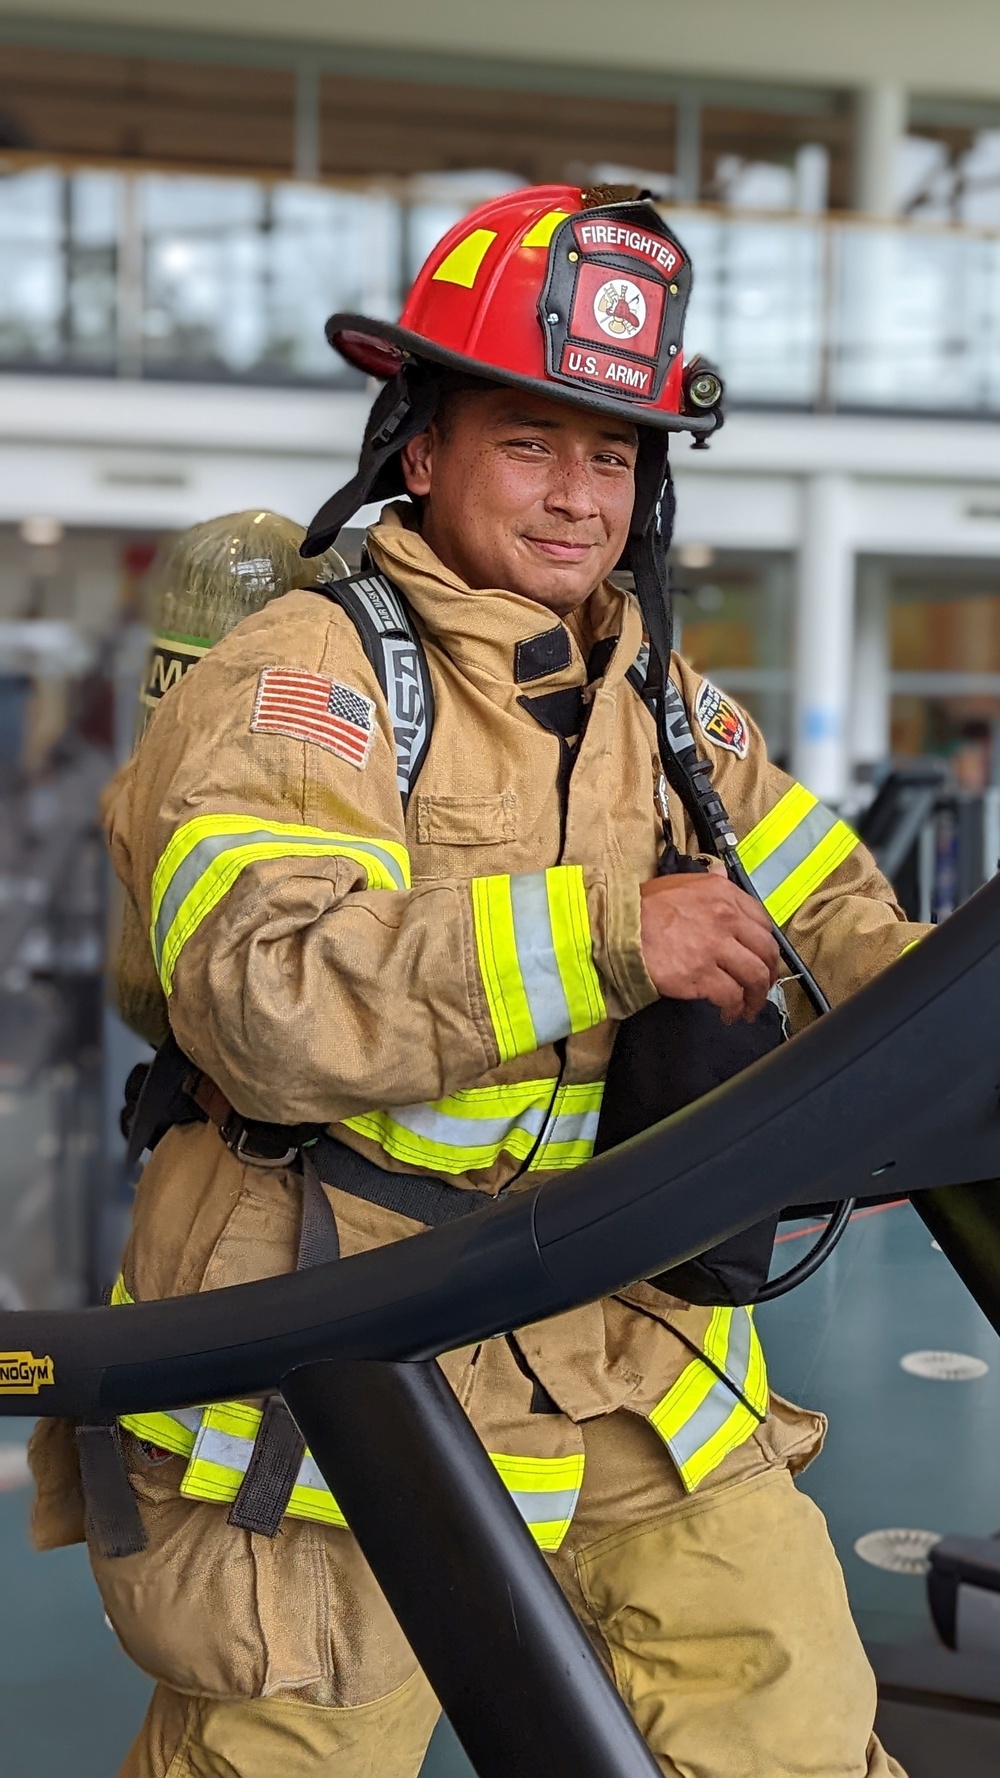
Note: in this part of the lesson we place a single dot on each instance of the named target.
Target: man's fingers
(747, 969)
(762, 942)
(725, 993)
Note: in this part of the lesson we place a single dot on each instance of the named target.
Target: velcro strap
(113, 1518)
(318, 1239)
(430, 1201)
(278, 1449)
(270, 1475)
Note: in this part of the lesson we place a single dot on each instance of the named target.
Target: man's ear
(417, 460)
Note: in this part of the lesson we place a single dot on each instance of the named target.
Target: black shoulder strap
(395, 652)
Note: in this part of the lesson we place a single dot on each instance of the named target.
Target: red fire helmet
(577, 294)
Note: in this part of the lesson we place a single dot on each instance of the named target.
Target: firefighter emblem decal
(620, 308)
(720, 721)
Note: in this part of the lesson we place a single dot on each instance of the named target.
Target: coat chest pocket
(467, 820)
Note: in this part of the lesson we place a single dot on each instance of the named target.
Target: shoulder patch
(720, 721)
(310, 707)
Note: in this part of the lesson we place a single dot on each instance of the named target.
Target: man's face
(524, 493)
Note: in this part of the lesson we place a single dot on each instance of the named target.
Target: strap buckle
(238, 1136)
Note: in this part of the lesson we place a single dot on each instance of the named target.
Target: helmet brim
(381, 349)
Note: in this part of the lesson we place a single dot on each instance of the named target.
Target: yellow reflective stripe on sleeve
(535, 952)
(792, 851)
(468, 1131)
(496, 949)
(205, 857)
(119, 1293)
(570, 922)
(701, 1418)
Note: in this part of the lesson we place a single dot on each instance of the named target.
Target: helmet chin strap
(688, 775)
(403, 408)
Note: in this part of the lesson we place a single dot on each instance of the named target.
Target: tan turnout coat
(310, 995)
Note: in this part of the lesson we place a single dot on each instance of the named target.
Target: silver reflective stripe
(721, 1399)
(573, 1126)
(204, 854)
(230, 1451)
(466, 1132)
(538, 1508)
(793, 851)
(536, 956)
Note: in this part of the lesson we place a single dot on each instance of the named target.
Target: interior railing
(146, 272)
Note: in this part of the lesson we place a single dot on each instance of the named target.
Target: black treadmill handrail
(899, 1085)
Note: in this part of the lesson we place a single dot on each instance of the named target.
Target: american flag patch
(310, 707)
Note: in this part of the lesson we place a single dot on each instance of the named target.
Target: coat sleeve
(302, 971)
(817, 880)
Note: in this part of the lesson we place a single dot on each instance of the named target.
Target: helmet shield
(612, 311)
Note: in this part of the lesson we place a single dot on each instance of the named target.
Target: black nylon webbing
(113, 1518)
(279, 1447)
(430, 1201)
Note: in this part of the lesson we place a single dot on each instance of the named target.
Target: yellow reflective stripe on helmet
(461, 265)
(206, 856)
(792, 851)
(540, 233)
(535, 952)
(701, 1418)
(468, 1131)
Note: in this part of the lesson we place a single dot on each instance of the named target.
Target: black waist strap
(426, 1200)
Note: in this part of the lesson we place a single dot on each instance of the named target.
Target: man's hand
(704, 939)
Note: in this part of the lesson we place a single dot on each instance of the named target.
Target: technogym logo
(21, 1373)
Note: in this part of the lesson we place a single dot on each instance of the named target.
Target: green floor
(901, 1452)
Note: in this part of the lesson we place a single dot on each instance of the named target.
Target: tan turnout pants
(722, 1616)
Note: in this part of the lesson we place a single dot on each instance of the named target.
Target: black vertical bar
(524, 1690)
(965, 1223)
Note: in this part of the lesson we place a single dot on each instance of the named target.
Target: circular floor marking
(944, 1367)
(14, 1471)
(898, 1550)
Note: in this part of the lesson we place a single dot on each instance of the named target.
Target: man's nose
(571, 493)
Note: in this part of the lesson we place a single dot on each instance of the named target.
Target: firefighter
(407, 892)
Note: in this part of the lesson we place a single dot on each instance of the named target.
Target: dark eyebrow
(623, 435)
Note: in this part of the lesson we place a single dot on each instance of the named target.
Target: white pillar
(308, 144)
(880, 124)
(687, 150)
(871, 695)
(824, 623)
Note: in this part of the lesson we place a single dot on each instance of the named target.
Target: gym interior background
(185, 193)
